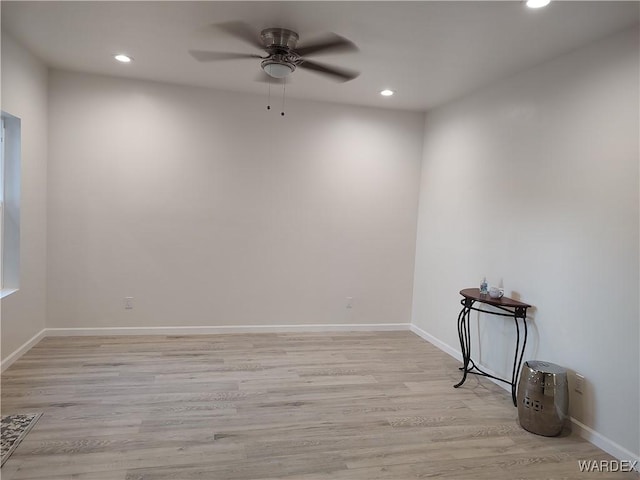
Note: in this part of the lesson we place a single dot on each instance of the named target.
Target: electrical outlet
(579, 386)
(349, 302)
(128, 303)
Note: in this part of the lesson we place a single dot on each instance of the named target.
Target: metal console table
(512, 308)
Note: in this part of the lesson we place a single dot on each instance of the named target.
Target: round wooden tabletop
(474, 294)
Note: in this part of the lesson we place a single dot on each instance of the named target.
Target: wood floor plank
(338, 406)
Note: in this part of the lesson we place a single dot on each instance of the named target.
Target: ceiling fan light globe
(277, 70)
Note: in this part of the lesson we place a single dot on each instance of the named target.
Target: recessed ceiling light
(387, 93)
(123, 58)
(537, 3)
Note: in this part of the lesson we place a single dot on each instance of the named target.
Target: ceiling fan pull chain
(284, 90)
(269, 95)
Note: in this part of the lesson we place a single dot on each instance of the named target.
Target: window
(10, 204)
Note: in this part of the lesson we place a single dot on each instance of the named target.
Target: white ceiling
(429, 52)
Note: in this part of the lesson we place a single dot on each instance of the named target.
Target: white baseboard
(24, 348)
(585, 432)
(604, 443)
(212, 330)
(445, 347)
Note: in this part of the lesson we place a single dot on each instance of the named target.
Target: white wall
(209, 210)
(535, 180)
(24, 95)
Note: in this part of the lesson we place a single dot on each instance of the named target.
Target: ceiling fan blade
(331, 43)
(339, 74)
(242, 31)
(205, 56)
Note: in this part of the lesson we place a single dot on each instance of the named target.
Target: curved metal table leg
(517, 366)
(464, 334)
(514, 373)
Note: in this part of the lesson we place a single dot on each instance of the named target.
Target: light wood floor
(270, 406)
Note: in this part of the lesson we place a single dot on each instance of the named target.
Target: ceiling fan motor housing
(279, 38)
(279, 42)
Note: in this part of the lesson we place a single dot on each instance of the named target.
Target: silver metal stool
(543, 398)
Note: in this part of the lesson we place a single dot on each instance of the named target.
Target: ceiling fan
(282, 54)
